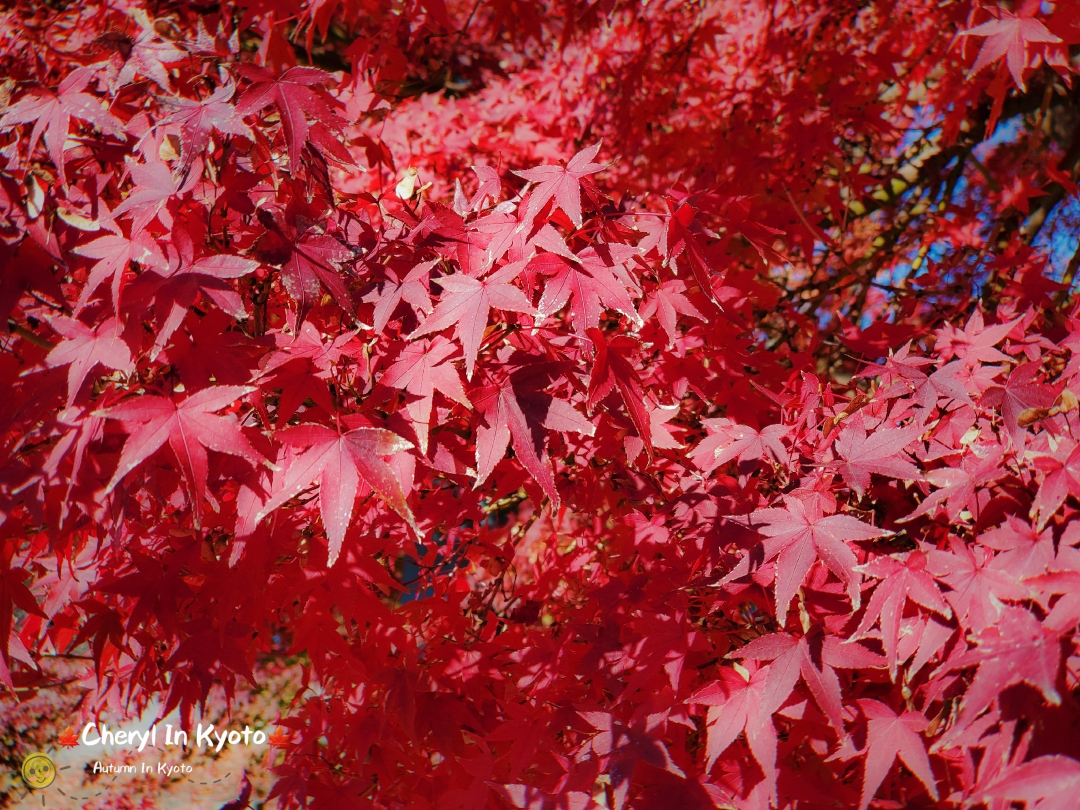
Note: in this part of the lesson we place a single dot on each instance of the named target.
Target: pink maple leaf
(889, 736)
(798, 535)
(466, 303)
(561, 183)
(1008, 36)
(84, 347)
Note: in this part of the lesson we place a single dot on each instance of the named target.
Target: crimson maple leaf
(412, 289)
(728, 440)
(975, 342)
(889, 736)
(526, 797)
(307, 260)
(423, 368)
(490, 186)
(510, 232)
(880, 451)
(562, 184)
(978, 586)
(739, 704)
(67, 738)
(667, 302)
(466, 303)
(1019, 393)
(518, 409)
(301, 367)
(52, 112)
(1016, 649)
(1009, 36)
(612, 369)
(1050, 782)
(340, 462)
(243, 801)
(199, 118)
(797, 536)
(295, 98)
(84, 347)
(957, 484)
(154, 185)
(216, 648)
(185, 281)
(682, 241)
(147, 54)
(660, 432)
(815, 659)
(1061, 471)
(591, 281)
(904, 577)
(114, 254)
(189, 426)
(1023, 552)
(459, 241)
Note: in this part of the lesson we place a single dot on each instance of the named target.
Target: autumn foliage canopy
(606, 404)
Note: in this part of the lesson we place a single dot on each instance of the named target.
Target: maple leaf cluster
(629, 406)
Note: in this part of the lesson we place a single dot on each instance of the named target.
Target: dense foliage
(649, 405)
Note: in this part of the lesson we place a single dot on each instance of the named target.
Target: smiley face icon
(38, 771)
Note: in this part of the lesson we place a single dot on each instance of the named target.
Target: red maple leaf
(889, 736)
(683, 241)
(464, 243)
(340, 462)
(796, 537)
(114, 255)
(815, 659)
(591, 281)
(490, 186)
(189, 426)
(561, 183)
(1050, 782)
(613, 368)
(185, 281)
(1016, 649)
(1061, 476)
(243, 801)
(83, 348)
(412, 288)
(1009, 36)
(148, 53)
(661, 433)
(154, 185)
(295, 97)
(421, 369)
(956, 485)
(519, 409)
(301, 367)
(1023, 552)
(67, 738)
(978, 586)
(879, 451)
(308, 262)
(51, 114)
(667, 302)
(975, 342)
(738, 705)
(728, 440)
(903, 578)
(198, 119)
(1021, 391)
(466, 303)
